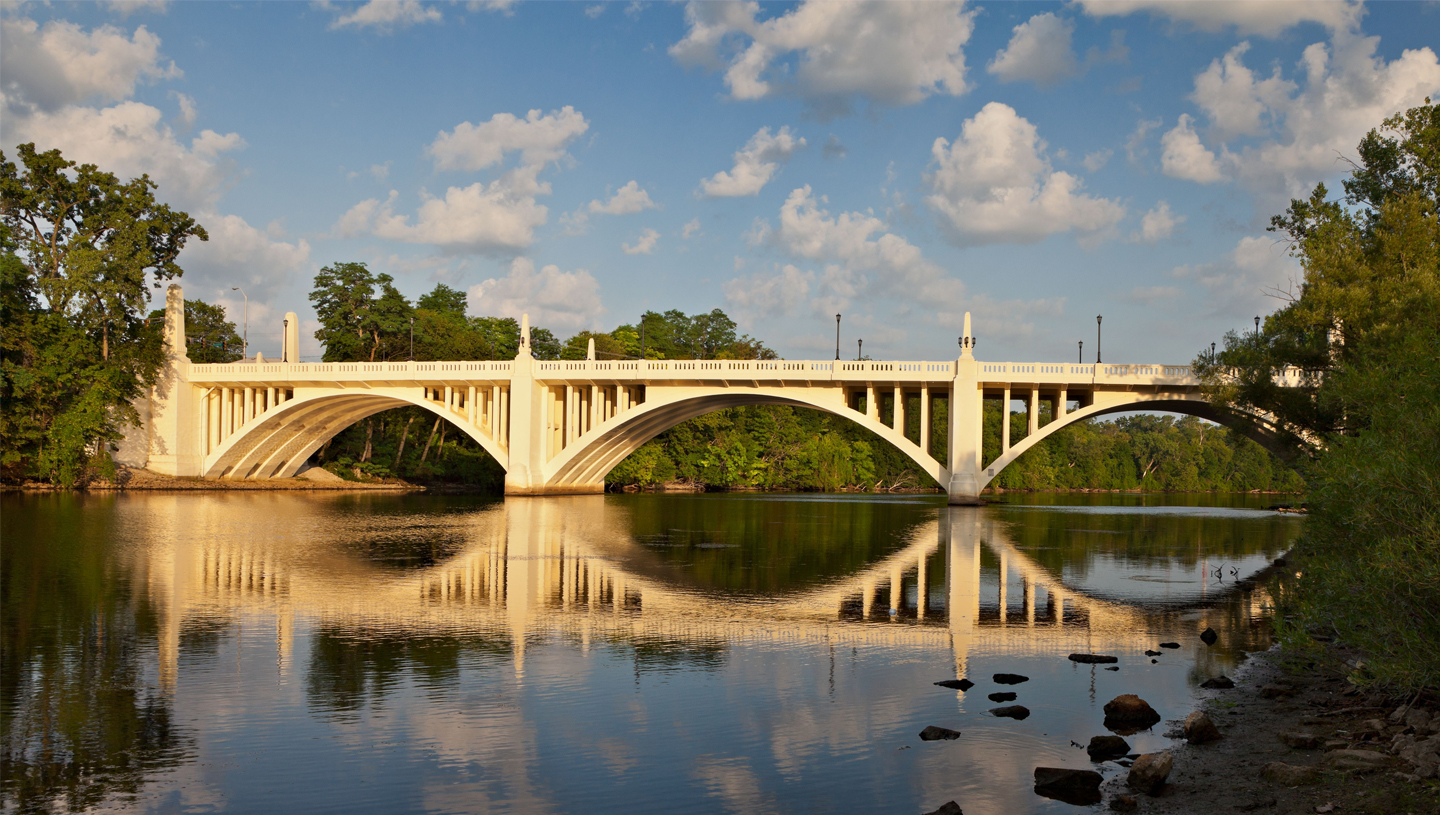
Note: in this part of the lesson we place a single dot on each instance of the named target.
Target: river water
(257, 652)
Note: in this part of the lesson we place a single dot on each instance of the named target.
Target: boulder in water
(1077, 787)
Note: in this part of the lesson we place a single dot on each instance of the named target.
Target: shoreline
(1280, 700)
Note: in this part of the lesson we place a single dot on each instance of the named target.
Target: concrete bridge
(558, 427)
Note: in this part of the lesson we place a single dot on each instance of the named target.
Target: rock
(933, 733)
(1361, 761)
(1200, 730)
(1289, 774)
(1218, 683)
(1374, 725)
(948, 808)
(1149, 772)
(1113, 668)
(957, 684)
(1105, 748)
(1208, 636)
(1335, 744)
(1011, 712)
(1077, 787)
(1275, 691)
(1169, 645)
(1093, 659)
(1300, 740)
(1124, 803)
(1152, 653)
(1280, 561)
(1010, 679)
(1004, 696)
(1129, 713)
(1421, 720)
(1154, 662)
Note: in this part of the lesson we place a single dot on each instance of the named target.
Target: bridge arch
(593, 456)
(1196, 406)
(277, 443)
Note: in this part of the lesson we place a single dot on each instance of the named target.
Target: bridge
(558, 427)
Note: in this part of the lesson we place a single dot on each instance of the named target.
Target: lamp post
(1257, 326)
(837, 336)
(1098, 318)
(245, 338)
(1212, 353)
(412, 338)
(859, 350)
(1080, 356)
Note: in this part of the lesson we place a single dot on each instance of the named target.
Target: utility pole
(245, 338)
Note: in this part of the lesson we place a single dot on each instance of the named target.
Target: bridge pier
(967, 425)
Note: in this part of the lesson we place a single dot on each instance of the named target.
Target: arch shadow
(1200, 408)
(594, 455)
(278, 442)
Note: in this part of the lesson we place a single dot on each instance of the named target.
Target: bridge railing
(348, 371)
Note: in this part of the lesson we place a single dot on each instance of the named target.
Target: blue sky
(1035, 164)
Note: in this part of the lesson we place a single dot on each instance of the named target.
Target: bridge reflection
(567, 568)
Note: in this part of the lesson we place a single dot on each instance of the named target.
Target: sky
(900, 164)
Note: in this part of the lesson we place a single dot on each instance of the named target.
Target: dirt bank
(1312, 706)
(128, 479)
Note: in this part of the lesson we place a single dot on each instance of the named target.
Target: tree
(606, 346)
(209, 337)
(78, 249)
(355, 324)
(445, 300)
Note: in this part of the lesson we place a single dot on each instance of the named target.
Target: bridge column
(1033, 415)
(1005, 423)
(966, 427)
(925, 418)
(174, 443)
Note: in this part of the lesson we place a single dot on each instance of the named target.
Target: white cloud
(994, 185)
(124, 8)
(595, 11)
(1267, 19)
(755, 164)
(380, 171)
(238, 254)
(188, 111)
(1040, 51)
(1243, 283)
(690, 229)
(60, 64)
(769, 295)
(538, 138)
(1157, 224)
(1235, 103)
(627, 200)
(1135, 145)
(385, 15)
(568, 301)
(644, 245)
(500, 216)
(1096, 160)
(827, 53)
(1186, 158)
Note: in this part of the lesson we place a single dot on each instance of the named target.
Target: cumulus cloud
(644, 245)
(1243, 282)
(568, 301)
(498, 217)
(60, 63)
(385, 15)
(828, 53)
(690, 229)
(1185, 157)
(1096, 160)
(1237, 104)
(1040, 51)
(1266, 19)
(627, 200)
(539, 138)
(994, 185)
(239, 254)
(1157, 224)
(769, 295)
(755, 164)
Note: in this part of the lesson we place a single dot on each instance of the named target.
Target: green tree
(606, 346)
(356, 323)
(444, 300)
(79, 252)
(209, 337)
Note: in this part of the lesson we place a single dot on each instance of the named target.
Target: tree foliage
(81, 251)
(1366, 324)
(209, 337)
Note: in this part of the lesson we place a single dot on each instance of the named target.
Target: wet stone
(948, 808)
(1208, 636)
(1010, 679)
(1004, 696)
(1128, 714)
(1077, 787)
(1218, 683)
(1105, 748)
(1113, 668)
(1169, 645)
(1093, 659)
(1011, 712)
(933, 733)
(1200, 730)
(957, 684)
(1152, 653)
(1149, 772)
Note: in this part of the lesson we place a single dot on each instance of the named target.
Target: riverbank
(1298, 738)
(131, 479)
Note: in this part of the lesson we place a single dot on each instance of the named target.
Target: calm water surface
(265, 652)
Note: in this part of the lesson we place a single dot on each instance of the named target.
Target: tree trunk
(369, 434)
(440, 448)
(428, 441)
(404, 434)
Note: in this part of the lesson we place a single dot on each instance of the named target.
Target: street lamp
(412, 338)
(1098, 318)
(245, 338)
(1080, 356)
(837, 336)
(1257, 325)
(859, 350)
(1212, 353)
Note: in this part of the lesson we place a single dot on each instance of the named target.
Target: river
(254, 652)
